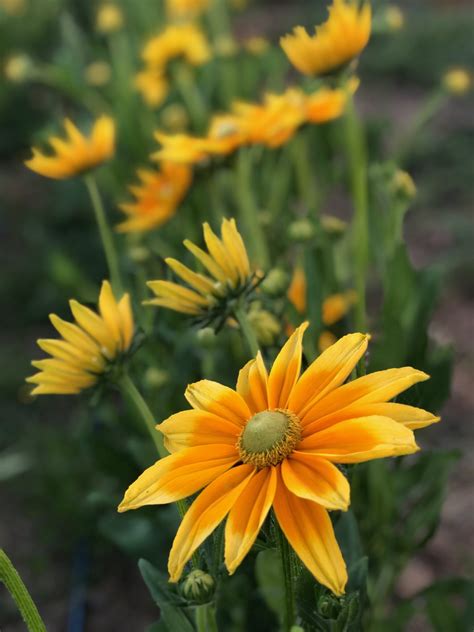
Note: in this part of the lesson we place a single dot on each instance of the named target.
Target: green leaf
(269, 573)
(169, 602)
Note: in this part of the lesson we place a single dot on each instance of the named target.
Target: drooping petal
(252, 384)
(327, 372)
(359, 440)
(286, 369)
(207, 511)
(110, 313)
(197, 427)
(179, 475)
(126, 320)
(373, 388)
(314, 478)
(219, 400)
(247, 516)
(309, 531)
(197, 281)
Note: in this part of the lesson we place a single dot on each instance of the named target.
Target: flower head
(177, 41)
(336, 42)
(153, 85)
(156, 198)
(208, 295)
(109, 18)
(186, 8)
(181, 149)
(276, 441)
(77, 153)
(86, 349)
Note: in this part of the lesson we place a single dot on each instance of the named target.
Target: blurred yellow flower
(87, 348)
(256, 45)
(227, 264)
(186, 8)
(109, 18)
(98, 73)
(77, 153)
(181, 149)
(325, 104)
(225, 134)
(274, 442)
(18, 68)
(174, 117)
(177, 41)
(457, 81)
(403, 183)
(152, 84)
(394, 17)
(13, 7)
(341, 38)
(156, 197)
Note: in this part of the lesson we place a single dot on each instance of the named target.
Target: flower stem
(357, 153)
(285, 554)
(248, 210)
(206, 618)
(17, 589)
(105, 233)
(247, 330)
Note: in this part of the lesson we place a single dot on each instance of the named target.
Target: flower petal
(358, 440)
(218, 399)
(178, 475)
(206, 512)
(252, 384)
(197, 427)
(309, 531)
(314, 478)
(286, 369)
(327, 372)
(109, 311)
(247, 516)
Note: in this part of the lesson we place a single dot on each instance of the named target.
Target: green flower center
(269, 437)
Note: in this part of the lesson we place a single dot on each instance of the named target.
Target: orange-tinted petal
(219, 400)
(179, 475)
(197, 427)
(252, 384)
(206, 512)
(314, 478)
(285, 370)
(247, 516)
(309, 531)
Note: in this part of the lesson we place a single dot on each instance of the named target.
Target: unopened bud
(394, 17)
(98, 73)
(175, 118)
(457, 81)
(156, 378)
(256, 45)
(275, 283)
(225, 46)
(109, 18)
(207, 338)
(18, 68)
(139, 254)
(333, 225)
(301, 230)
(403, 184)
(198, 587)
(266, 327)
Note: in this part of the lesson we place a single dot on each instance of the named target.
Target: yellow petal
(197, 281)
(311, 477)
(327, 372)
(167, 289)
(126, 320)
(219, 254)
(95, 327)
(65, 351)
(179, 475)
(285, 370)
(207, 261)
(235, 248)
(55, 389)
(359, 440)
(174, 304)
(218, 399)
(247, 516)
(75, 335)
(110, 313)
(197, 427)
(252, 384)
(309, 531)
(206, 512)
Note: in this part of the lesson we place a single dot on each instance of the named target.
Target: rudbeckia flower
(77, 153)
(109, 18)
(186, 8)
(229, 277)
(178, 41)
(275, 441)
(87, 348)
(336, 42)
(181, 149)
(152, 84)
(156, 198)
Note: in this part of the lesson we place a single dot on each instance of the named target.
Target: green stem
(191, 95)
(247, 330)
(357, 153)
(17, 589)
(304, 173)
(285, 554)
(206, 618)
(105, 233)
(249, 211)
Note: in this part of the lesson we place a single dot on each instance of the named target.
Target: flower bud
(457, 81)
(18, 68)
(333, 225)
(198, 587)
(156, 378)
(256, 45)
(98, 73)
(139, 254)
(207, 338)
(225, 47)
(301, 230)
(403, 185)
(109, 18)
(266, 326)
(394, 18)
(275, 283)
(175, 118)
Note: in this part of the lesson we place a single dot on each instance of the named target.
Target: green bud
(296, 628)
(198, 587)
(207, 338)
(139, 254)
(402, 184)
(301, 230)
(275, 283)
(333, 225)
(156, 378)
(266, 326)
(265, 218)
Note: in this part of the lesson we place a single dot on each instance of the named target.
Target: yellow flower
(341, 38)
(152, 84)
(77, 153)
(256, 45)
(275, 441)
(227, 264)
(457, 81)
(325, 105)
(186, 8)
(226, 133)
(86, 349)
(109, 18)
(156, 198)
(98, 73)
(181, 149)
(18, 68)
(178, 41)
